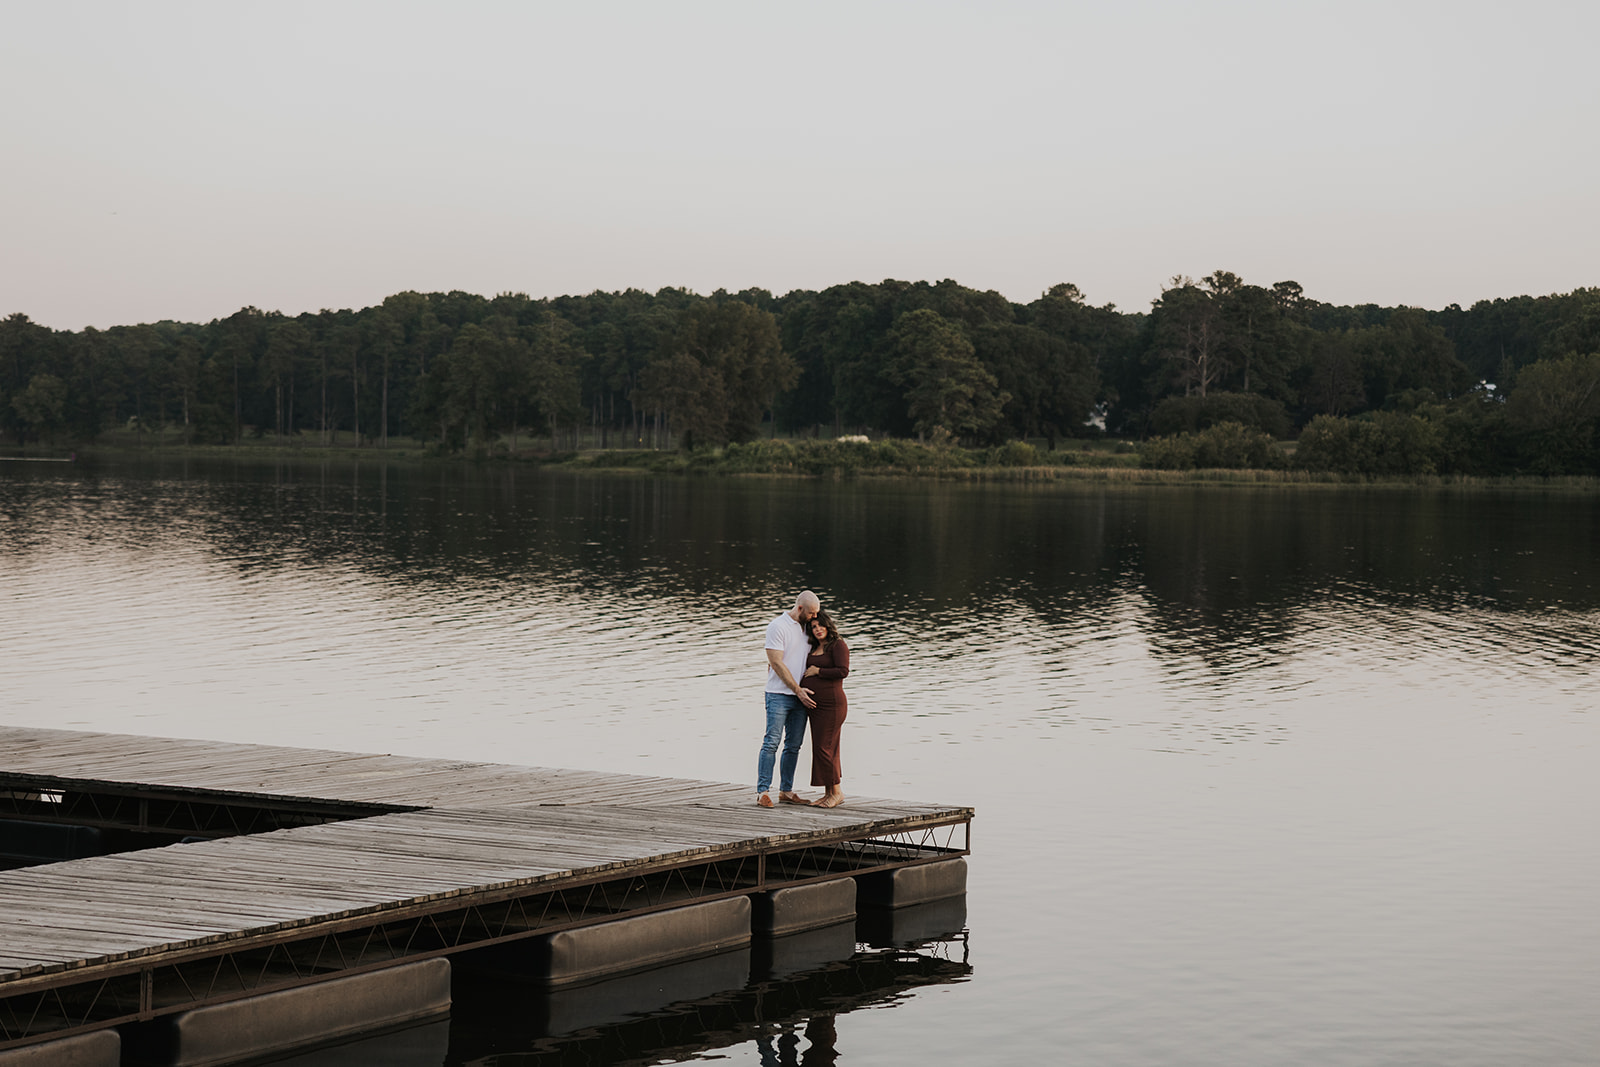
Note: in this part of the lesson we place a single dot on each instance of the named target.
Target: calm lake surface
(1262, 776)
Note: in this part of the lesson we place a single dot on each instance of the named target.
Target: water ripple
(1259, 777)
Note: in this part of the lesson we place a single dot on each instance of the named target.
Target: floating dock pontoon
(216, 891)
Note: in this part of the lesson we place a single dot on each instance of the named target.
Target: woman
(826, 669)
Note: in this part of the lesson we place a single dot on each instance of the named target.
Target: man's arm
(775, 661)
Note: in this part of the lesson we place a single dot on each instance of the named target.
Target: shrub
(1191, 414)
(1014, 454)
(823, 457)
(210, 425)
(1227, 445)
(1378, 443)
(1474, 436)
(1554, 409)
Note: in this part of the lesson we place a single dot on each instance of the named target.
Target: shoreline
(957, 466)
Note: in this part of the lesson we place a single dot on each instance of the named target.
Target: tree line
(1504, 384)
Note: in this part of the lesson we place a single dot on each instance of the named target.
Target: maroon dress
(827, 688)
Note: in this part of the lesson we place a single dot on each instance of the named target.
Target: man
(787, 649)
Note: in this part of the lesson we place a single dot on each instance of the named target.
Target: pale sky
(182, 160)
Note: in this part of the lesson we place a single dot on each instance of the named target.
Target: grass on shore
(1102, 461)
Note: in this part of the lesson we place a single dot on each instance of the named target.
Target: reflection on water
(298, 584)
(785, 1019)
(1261, 775)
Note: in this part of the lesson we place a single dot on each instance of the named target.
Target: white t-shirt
(788, 637)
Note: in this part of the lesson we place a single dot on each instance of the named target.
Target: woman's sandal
(829, 802)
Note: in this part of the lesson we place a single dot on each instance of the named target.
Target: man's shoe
(764, 799)
(793, 798)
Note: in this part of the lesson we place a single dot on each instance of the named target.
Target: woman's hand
(811, 670)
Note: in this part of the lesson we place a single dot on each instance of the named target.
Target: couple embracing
(807, 664)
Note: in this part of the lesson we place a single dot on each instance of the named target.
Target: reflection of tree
(1220, 571)
(1228, 575)
(773, 1015)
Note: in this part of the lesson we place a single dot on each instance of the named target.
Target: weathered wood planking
(473, 828)
(275, 772)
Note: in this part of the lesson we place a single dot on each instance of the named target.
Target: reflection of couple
(803, 646)
(821, 1032)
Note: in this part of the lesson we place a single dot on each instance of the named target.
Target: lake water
(1262, 776)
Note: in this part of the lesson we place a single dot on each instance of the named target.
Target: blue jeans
(786, 723)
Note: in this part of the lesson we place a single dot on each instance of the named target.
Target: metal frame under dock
(213, 872)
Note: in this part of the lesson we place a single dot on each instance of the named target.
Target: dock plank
(451, 830)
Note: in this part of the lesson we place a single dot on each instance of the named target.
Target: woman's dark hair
(827, 624)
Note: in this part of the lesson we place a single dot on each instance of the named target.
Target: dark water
(1262, 776)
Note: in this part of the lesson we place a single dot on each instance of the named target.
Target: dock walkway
(297, 865)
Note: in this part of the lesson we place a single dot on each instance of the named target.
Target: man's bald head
(806, 605)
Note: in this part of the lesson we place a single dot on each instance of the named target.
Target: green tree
(288, 346)
(384, 337)
(1260, 339)
(1290, 296)
(689, 395)
(1576, 325)
(1408, 354)
(1051, 381)
(42, 405)
(858, 352)
(1190, 331)
(1555, 407)
(738, 345)
(1494, 338)
(720, 369)
(947, 390)
(403, 361)
(547, 373)
(1332, 380)
(1189, 414)
(1384, 443)
(87, 365)
(186, 362)
(240, 339)
(128, 374)
(1064, 379)
(477, 376)
(1475, 434)
(22, 354)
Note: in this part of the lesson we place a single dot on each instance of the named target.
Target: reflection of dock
(295, 868)
(500, 1018)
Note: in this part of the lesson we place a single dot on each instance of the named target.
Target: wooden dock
(280, 867)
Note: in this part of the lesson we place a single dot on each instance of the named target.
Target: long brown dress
(827, 687)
